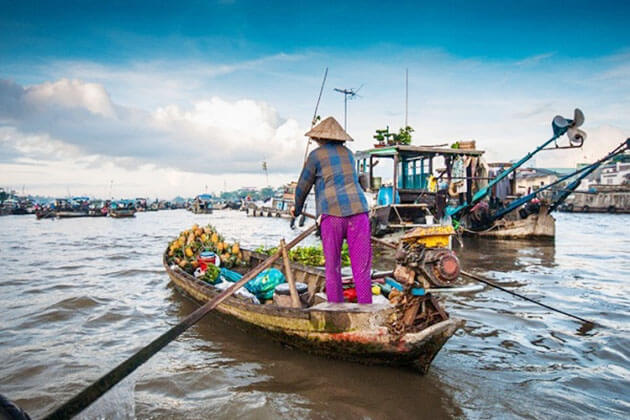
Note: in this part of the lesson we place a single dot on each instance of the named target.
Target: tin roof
(412, 151)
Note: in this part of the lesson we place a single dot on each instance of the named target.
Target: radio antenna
(406, 97)
(351, 93)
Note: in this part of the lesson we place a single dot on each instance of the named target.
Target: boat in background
(600, 199)
(98, 208)
(122, 209)
(202, 204)
(413, 198)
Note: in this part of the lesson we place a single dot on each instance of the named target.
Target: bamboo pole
(90, 394)
(295, 299)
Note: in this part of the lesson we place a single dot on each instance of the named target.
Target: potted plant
(380, 136)
(404, 136)
(385, 138)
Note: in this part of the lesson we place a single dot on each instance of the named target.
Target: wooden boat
(535, 226)
(345, 331)
(122, 213)
(121, 209)
(45, 214)
(541, 225)
(410, 201)
(202, 204)
(70, 214)
(600, 199)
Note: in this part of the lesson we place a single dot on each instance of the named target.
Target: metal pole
(395, 186)
(406, 97)
(345, 112)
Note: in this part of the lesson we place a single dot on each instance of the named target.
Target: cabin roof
(413, 151)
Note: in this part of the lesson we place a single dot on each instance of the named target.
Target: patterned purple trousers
(356, 230)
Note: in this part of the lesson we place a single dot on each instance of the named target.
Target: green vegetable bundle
(309, 255)
(211, 275)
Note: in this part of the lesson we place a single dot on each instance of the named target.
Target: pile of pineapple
(185, 249)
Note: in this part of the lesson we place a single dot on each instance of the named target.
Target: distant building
(531, 179)
(616, 173)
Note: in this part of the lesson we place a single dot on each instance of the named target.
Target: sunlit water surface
(79, 296)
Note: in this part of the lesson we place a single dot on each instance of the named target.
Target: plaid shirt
(337, 191)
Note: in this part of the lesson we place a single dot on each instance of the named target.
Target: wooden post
(395, 186)
(404, 169)
(295, 299)
(422, 177)
(414, 184)
(371, 183)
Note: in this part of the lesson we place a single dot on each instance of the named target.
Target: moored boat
(541, 225)
(122, 213)
(98, 208)
(202, 204)
(122, 209)
(361, 333)
(68, 214)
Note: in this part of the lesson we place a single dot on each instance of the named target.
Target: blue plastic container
(384, 196)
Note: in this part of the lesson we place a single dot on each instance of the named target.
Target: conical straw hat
(329, 129)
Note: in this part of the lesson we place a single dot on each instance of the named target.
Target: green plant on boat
(211, 275)
(308, 255)
(402, 137)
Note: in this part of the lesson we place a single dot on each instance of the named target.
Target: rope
(495, 226)
(496, 286)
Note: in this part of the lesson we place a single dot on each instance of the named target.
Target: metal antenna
(347, 92)
(406, 97)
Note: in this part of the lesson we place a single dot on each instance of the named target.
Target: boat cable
(75, 405)
(308, 143)
(496, 286)
(314, 120)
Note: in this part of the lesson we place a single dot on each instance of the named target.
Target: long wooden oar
(90, 394)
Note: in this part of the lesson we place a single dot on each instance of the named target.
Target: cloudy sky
(163, 98)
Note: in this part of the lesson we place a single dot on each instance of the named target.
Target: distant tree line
(240, 194)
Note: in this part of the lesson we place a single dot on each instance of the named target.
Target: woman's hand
(292, 211)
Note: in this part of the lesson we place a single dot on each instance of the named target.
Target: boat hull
(350, 332)
(535, 226)
(119, 214)
(70, 214)
(201, 211)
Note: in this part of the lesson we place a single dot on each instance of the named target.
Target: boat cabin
(411, 199)
(202, 204)
(283, 201)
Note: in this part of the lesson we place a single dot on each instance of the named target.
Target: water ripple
(79, 296)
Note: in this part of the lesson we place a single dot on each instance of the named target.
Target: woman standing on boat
(341, 208)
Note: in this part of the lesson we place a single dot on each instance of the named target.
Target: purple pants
(356, 230)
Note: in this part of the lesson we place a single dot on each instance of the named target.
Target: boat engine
(424, 260)
(424, 257)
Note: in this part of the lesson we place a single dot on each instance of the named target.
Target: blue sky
(201, 92)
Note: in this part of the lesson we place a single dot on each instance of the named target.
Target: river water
(79, 296)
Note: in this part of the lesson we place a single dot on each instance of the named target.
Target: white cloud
(192, 120)
(212, 136)
(71, 94)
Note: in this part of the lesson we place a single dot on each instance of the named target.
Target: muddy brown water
(79, 296)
